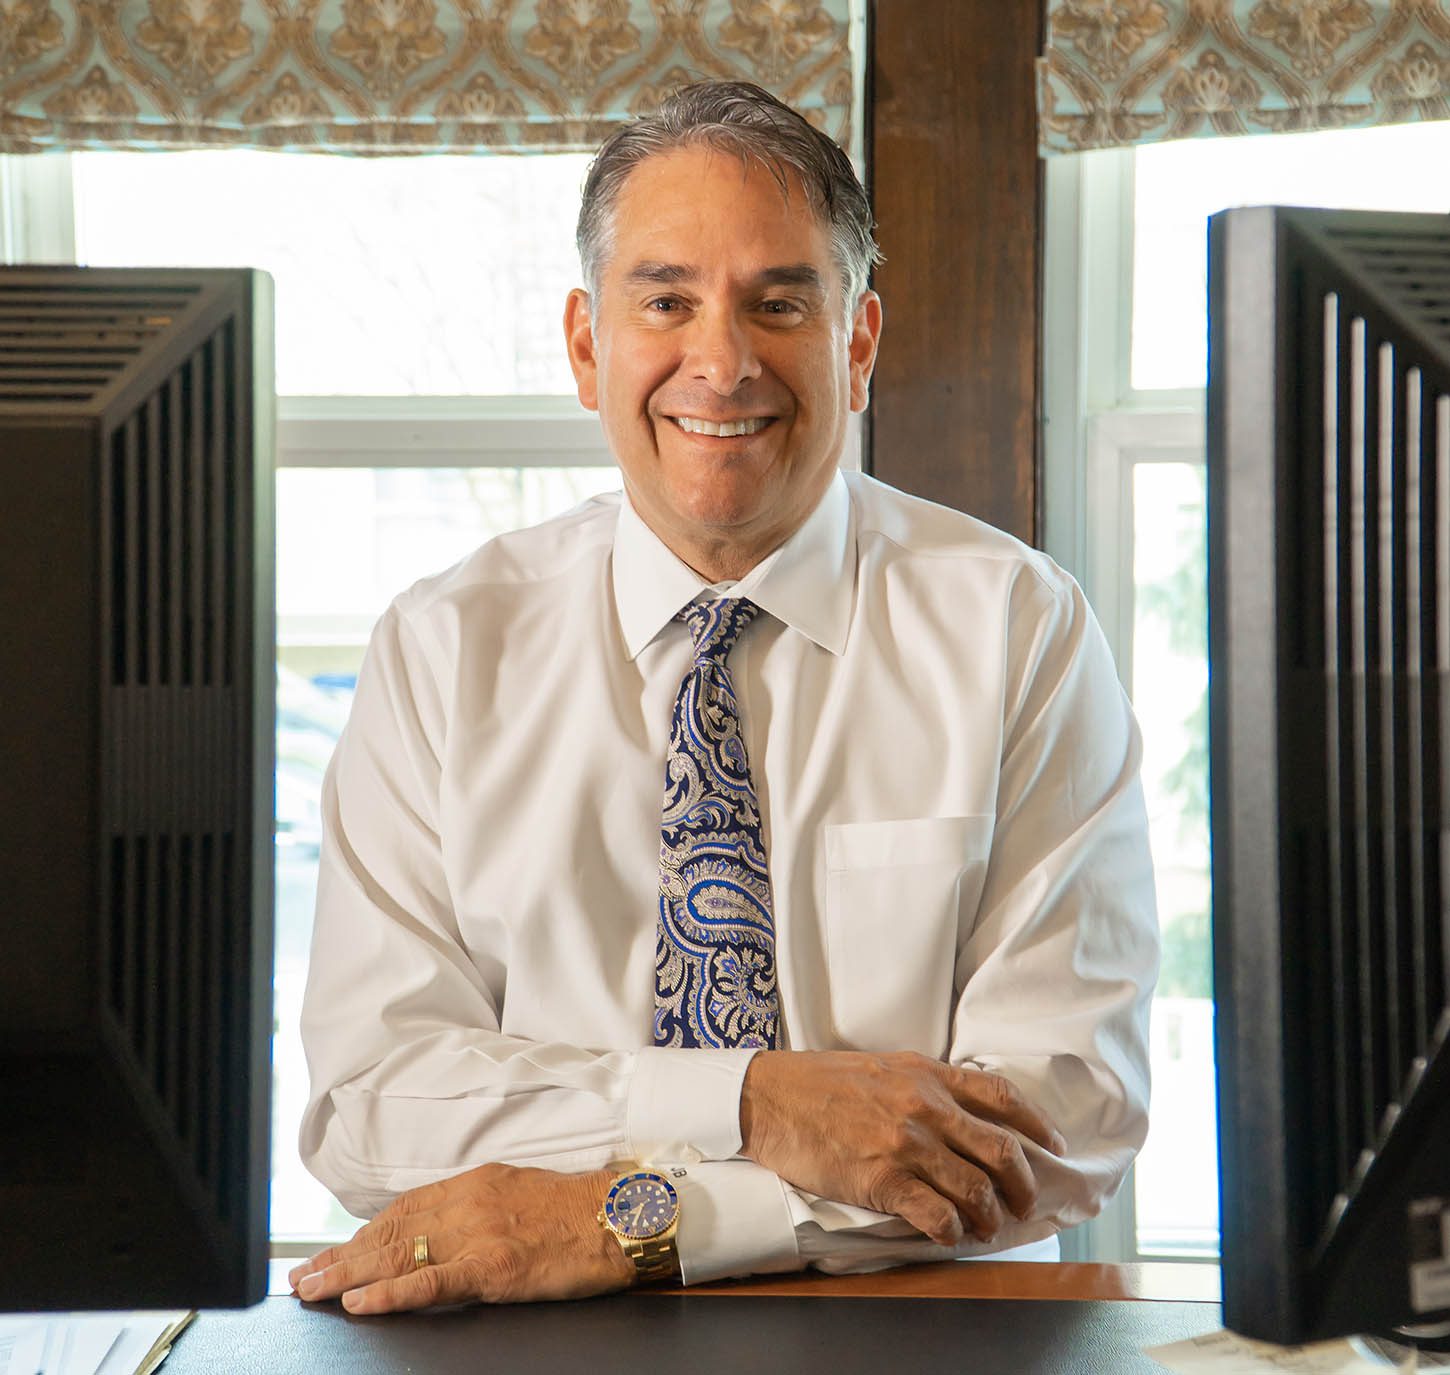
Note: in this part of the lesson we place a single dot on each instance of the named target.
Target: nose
(721, 352)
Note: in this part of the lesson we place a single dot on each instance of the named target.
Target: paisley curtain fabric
(395, 76)
(1138, 71)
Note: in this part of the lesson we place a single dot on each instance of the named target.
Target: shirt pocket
(896, 893)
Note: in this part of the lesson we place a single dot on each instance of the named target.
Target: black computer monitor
(1329, 692)
(136, 747)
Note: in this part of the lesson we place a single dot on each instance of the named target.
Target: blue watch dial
(641, 1206)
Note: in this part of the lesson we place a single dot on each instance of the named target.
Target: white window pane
(348, 541)
(1177, 1179)
(408, 276)
(1177, 186)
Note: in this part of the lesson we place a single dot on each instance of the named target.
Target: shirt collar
(808, 582)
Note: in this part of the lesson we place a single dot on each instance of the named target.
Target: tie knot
(715, 626)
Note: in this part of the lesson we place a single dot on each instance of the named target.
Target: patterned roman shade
(393, 76)
(1139, 71)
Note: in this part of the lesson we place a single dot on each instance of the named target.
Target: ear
(579, 341)
(865, 336)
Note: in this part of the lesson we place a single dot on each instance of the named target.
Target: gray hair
(740, 118)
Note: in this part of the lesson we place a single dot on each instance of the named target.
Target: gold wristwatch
(642, 1210)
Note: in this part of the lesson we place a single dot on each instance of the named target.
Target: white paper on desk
(77, 1343)
(22, 1346)
(87, 1343)
(146, 1335)
(56, 1343)
(1226, 1353)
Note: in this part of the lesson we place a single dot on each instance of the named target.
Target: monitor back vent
(1409, 268)
(1370, 742)
(1385, 609)
(68, 343)
(175, 501)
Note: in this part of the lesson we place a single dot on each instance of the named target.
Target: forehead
(715, 212)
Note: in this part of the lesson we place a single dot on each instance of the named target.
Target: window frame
(1087, 326)
(1097, 428)
(37, 209)
(519, 431)
(37, 225)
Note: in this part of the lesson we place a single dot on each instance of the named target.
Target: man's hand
(495, 1234)
(899, 1133)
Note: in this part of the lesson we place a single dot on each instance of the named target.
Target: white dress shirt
(947, 770)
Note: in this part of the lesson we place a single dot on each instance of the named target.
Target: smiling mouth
(727, 429)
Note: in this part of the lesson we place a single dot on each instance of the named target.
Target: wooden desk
(986, 1279)
(984, 1317)
(1158, 1281)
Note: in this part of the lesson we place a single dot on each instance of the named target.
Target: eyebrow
(674, 274)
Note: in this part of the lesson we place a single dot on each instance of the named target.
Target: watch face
(641, 1206)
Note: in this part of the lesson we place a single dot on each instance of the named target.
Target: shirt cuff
(684, 1105)
(854, 1253)
(734, 1220)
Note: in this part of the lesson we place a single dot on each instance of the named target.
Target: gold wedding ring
(420, 1252)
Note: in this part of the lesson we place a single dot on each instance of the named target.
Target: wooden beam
(957, 190)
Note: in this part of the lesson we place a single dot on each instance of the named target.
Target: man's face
(720, 360)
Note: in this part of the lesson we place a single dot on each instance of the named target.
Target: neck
(717, 562)
(723, 557)
(725, 553)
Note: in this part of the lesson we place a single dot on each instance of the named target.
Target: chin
(716, 512)
(724, 500)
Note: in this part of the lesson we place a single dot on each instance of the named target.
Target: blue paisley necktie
(715, 957)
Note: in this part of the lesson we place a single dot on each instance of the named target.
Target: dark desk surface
(798, 1324)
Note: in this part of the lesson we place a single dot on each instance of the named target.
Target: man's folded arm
(1055, 972)
(412, 1079)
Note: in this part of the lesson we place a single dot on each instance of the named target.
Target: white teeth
(729, 430)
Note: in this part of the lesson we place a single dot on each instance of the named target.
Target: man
(767, 828)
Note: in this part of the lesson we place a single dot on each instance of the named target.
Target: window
(425, 405)
(1126, 325)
